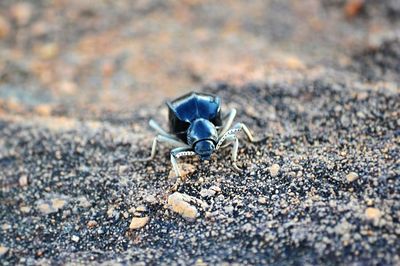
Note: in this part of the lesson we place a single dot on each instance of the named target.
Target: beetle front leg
(159, 138)
(175, 154)
(154, 125)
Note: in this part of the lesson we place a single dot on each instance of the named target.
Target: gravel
(84, 191)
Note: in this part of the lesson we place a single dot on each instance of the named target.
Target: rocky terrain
(319, 81)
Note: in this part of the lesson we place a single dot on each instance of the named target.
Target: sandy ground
(318, 80)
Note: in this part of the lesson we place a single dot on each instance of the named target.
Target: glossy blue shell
(186, 109)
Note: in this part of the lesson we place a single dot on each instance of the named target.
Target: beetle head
(204, 148)
(202, 136)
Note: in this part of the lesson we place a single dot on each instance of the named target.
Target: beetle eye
(204, 148)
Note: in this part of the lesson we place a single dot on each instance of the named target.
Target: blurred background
(59, 57)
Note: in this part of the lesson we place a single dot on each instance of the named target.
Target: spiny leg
(175, 154)
(231, 116)
(234, 130)
(230, 136)
(233, 139)
(160, 138)
(154, 125)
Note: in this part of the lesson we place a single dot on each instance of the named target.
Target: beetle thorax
(201, 129)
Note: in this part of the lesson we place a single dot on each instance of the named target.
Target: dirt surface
(318, 80)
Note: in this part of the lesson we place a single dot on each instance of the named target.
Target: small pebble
(58, 203)
(110, 212)
(23, 180)
(207, 192)
(229, 209)
(151, 199)
(84, 203)
(45, 208)
(3, 251)
(215, 188)
(352, 176)
(141, 208)
(274, 170)
(373, 213)
(138, 222)
(25, 209)
(5, 227)
(92, 224)
(262, 200)
(179, 203)
(75, 238)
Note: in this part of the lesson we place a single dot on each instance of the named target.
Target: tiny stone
(23, 180)
(352, 176)
(25, 209)
(215, 188)
(122, 169)
(372, 213)
(3, 250)
(274, 170)
(151, 199)
(141, 208)
(45, 208)
(83, 202)
(58, 203)
(5, 227)
(92, 224)
(229, 209)
(207, 193)
(369, 202)
(138, 222)
(262, 200)
(110, 212)
(75, 238)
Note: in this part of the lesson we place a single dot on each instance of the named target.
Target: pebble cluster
(323, 187)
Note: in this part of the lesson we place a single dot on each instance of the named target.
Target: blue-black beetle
(198, 128)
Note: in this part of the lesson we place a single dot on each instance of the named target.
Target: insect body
(197, 127)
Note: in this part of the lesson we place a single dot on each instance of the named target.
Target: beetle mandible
(197, 127)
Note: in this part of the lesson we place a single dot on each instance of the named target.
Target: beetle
(197, 127)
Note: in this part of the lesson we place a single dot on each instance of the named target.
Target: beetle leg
(229, 140)
(236, 129)
(179, 152)
(231, 116)
(235, 152)
(160, 138)
(175, 154)
(154, 125)
(246, 130)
